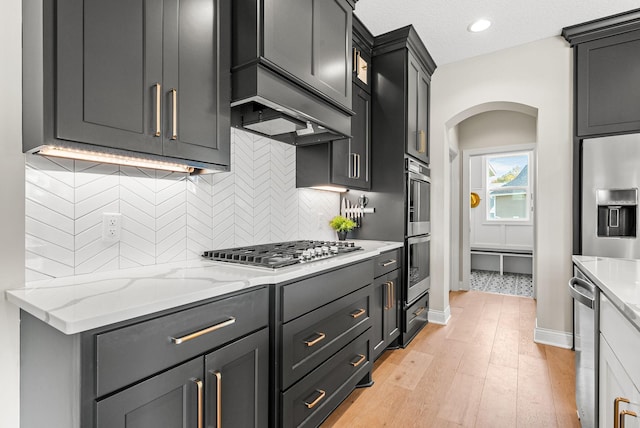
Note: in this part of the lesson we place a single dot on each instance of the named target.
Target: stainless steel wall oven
(417, 272)
(418, 198)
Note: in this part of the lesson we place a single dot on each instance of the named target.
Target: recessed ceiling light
(479, 25)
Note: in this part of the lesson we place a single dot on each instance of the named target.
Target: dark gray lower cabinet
(385, 313)
(203, 365)
(321, 333)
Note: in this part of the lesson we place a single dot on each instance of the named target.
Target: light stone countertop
(79, 303)
(618, 279)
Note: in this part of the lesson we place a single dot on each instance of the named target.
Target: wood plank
(499, 403)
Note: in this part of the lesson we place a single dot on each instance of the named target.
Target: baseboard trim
(439, 317)
(544, 336)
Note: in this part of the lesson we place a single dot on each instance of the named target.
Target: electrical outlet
(111, 227)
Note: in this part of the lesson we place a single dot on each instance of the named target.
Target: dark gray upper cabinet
(142, 76)
(607, 84)
(400, 57)
(345, 162)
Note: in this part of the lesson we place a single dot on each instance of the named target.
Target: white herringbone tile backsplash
(166, 216)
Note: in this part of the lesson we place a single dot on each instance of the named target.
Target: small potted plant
(342, 225)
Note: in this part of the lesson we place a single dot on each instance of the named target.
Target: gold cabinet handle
(357, 166)
(356, 54)
(174, 113)
(199, 387)
(616, 410)
(389, 262)
(358, 313)
(419, 311)
(387, 304)
(422, 141)
(218, 376)
(158, 101)
(626, 413)
(317, 400)
(352, 165)
(320, 337)
(392, 290)
(360, 360)
(179, 340)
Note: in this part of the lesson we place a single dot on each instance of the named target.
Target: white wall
(537, 75)
(12, 216)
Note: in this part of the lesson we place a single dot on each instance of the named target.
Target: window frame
(528, 190)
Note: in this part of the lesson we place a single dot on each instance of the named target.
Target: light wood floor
(481, 370)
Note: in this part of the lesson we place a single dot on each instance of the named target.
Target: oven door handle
(419, 177)
(418, 239)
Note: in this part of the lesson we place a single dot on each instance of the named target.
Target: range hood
(266, 103)
(291, 78)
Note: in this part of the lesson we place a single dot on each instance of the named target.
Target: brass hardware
(388, 297)
(352, 165)
(174, 117)
(626, 413)
(419, 311)
(360, 360)
(422, 141)
(616, 409)
(198, 383)
(389, 263)
(317, 400)
(474, 199)
(356, 55)
(320, 337)
(358, 313)
(359, 165)
(179, 340)
(218, 376)
(158, 119)
(393, 294)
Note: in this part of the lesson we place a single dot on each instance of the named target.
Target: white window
(508, 187)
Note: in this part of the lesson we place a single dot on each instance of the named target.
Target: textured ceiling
(442, 24)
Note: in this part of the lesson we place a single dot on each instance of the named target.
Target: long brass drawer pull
(158, 97)
(199, 387)
(626, 413)
(218, 376)
(317, 400)
(388, 297)
(174, 114)
(389, 262)
(360, 360)
(179, 340)
(422, 142)
(419, 311)
(358, 313)
(392, 290)
(616, 410)
(320, 337)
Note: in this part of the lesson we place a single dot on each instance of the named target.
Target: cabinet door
(392, 313)
(417, 110)
(312, 41)
(614, 383)
(109, 60)
(173, 399)
(237, 383)
(196, 89)
(350, 157)
(608, 85)
(379, 304)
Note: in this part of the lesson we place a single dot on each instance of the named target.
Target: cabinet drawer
(312, 399)
(622, 336)
(309, 340)
(304, 296)
(134, 352)
(386, 262)
(416, 315)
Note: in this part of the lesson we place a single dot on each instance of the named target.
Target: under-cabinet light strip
(330, 188)
(62, 152)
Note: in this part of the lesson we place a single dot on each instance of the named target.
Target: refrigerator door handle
(575, 284)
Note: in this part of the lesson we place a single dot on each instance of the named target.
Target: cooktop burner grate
(282, 254)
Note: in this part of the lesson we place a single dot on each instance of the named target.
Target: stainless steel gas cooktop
(282, 253)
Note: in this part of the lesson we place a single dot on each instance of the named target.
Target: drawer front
(386, 262)
(312, 399)
(622, 336)
(304, 296)
(309, 340)
(134, 352)
(416, 314)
